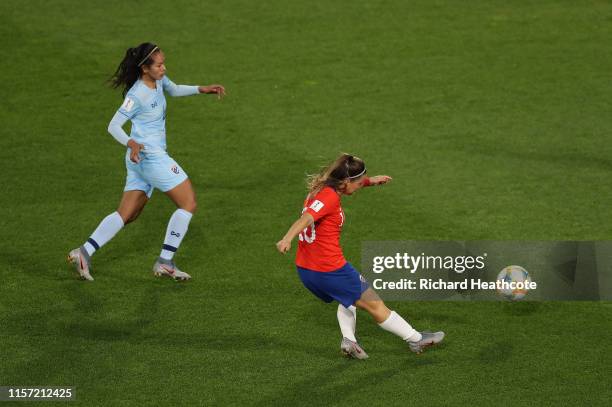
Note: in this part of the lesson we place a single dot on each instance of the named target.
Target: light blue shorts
(153, 171)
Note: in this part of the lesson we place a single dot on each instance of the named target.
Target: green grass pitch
(493, 117)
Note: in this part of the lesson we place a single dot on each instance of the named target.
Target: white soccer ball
(514, 281)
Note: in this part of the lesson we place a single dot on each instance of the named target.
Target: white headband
(148, 55)
(358, 175)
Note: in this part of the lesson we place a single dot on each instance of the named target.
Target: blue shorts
(153, 171)
(344, 285)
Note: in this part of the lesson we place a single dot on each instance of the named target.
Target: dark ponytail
(345, 168)
(128, 71)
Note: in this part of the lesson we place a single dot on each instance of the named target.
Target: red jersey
(319, 244)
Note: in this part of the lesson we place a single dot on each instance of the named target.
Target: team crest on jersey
(154, 105)
(316, 205)
(128, 104)
(174, 169)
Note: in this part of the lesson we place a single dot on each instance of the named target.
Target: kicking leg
(391, 321)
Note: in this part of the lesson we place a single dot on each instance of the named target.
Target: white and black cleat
(427, 339)
(167, 268)
(352, 349)
(81, 263)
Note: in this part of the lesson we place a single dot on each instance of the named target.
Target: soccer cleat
(169, 269)
(352, 349)
(428, 339)
(80, 262)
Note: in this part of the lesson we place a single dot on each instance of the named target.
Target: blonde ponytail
(344, 168)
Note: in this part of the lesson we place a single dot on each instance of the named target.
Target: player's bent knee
(364, 305)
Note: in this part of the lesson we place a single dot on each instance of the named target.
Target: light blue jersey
(146, 108)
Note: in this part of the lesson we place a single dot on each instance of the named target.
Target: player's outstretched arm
(377, 180)
(214, 89)
(284, 245)
(175, 90)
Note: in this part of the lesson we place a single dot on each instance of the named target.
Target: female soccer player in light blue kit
(142, 75)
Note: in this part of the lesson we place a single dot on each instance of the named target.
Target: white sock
(347, 318)
(177, 228)
(106, 230)
(397, 325)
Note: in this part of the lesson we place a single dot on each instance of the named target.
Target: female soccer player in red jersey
(321, 264)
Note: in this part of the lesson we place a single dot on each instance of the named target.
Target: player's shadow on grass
(87, 309)
(132, 333)
(331, 385)
(87, 324)
(48, 332)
